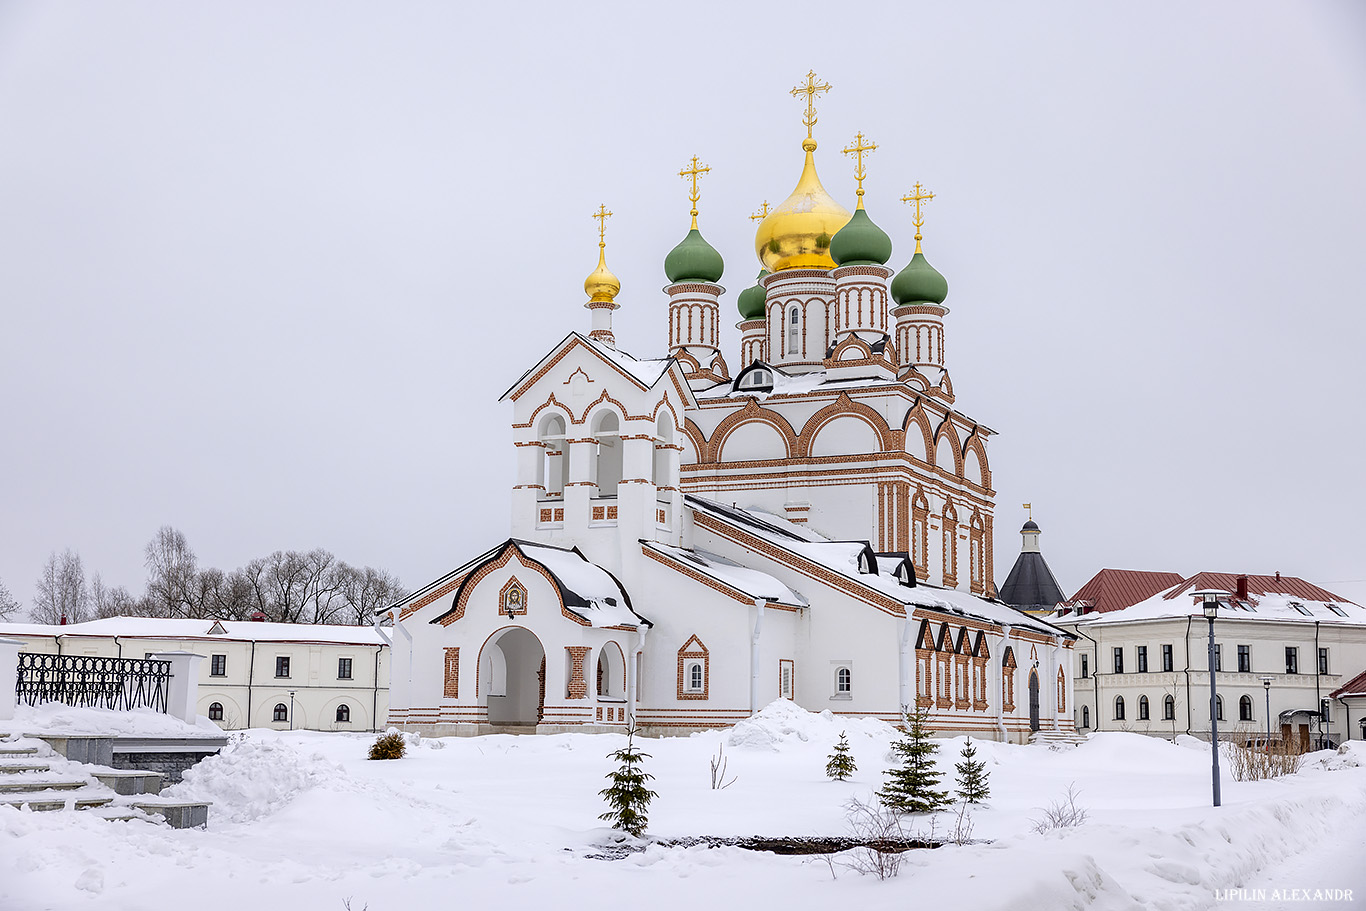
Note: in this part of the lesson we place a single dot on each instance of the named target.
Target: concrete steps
(1057, 739)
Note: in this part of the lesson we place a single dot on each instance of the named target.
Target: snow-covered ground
(303, 821)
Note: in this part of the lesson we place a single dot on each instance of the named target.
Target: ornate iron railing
(109, 683)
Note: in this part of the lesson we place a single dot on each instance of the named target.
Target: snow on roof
(588, 590)
(176, 628)
(1115, 589)
(1276, 606)
(647, 371)
(842, 557)
(752, 582)
(793, 384)
(1354, 687)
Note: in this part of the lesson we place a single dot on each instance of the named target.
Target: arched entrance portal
(512, 677)
(1033, 700)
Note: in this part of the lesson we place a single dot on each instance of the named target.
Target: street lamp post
(1211, 607)
(291, 710)
(1266, 684)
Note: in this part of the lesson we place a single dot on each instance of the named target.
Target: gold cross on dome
(762, 213)
(692, 173)
(602, 215)
(810, 90)
(917, 198)
(858, 150)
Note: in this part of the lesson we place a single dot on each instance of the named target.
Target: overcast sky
(265, 268)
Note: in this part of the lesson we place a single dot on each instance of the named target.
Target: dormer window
(1337, 610)
(1300, 608)
(757, 379)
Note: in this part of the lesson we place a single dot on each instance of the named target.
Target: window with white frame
(794, 330)
(844, 681)
(694, 678)
(787, 682)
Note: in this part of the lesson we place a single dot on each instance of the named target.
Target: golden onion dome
(601, 285)
(797, 233)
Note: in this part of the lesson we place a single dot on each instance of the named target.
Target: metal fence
(108, 683)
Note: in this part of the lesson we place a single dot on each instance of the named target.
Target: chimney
(63, 623)
(1242, 587)
(258, 617)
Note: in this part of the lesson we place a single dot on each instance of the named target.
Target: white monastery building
(253, 674)
(1286, 654)
(689, 543)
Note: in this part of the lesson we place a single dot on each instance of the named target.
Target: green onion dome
(919, 283)
(751, 300)
(861, 243)
(693, 260)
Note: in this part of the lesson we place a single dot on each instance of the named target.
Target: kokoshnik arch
(689, 544)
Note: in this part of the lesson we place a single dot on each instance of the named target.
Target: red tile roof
(1354, 687)
(1115, 589)
(1256, 585)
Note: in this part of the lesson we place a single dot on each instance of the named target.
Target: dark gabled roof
(1116, 589)
(1256, 585)
(1030, 583)
(1354, 687)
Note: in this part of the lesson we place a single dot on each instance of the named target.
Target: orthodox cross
(602, 215)
(810, 90)
(762, 213)
(692, 173)
(858, 150)
(917, 198)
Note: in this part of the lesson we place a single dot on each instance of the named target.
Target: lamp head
(1210, 598)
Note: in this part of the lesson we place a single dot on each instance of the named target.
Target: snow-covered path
(303, 821)
(1336, 865)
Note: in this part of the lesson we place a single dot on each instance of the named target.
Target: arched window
(1085, 716)
(1142, 708)
(555, 456)
(695, 677)
(1119, 708)
(607, 435)
(281, 712)
(1219, 707)
(664, 441)
(344, 713)
(1245, 708)
(215, 711)
(1168, 708)
(844, 681)
(758, 379)
(794, 330)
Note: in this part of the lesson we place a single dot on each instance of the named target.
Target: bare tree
(367, 592)
(111, 601)
(62, 592)
(8, 606)
(171, 575)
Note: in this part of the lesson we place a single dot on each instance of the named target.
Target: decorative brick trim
(693, 650)
(451, 683)
(751, 411)
(844, 405)
(512, 598)
(428, 598)
(578, 686)
(458, 610)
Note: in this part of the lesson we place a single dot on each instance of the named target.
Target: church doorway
(1033, 699)
(512, 677)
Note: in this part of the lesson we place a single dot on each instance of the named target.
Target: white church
(689, 545)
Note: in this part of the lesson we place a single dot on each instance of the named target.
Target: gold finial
(601, 285)
(858, 150)
(694, 172)
(810, 90)
(762, 213)
(917, 198)
(1030, 507)
(602, 215)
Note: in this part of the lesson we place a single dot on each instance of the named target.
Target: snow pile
(782, 723)
(254, 778)
(58, 718)
(1350, 755)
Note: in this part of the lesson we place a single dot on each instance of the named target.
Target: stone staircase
(35, 777)
(1056, 740)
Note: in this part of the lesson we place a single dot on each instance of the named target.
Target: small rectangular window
(282, 666)
(1244, 659)
(1167, 658)
(343, 668)
(1218, 657)
(1119, 660)
(1292, 659)
(785, 678)
(218, 666)
(1085, 665)
(1143, 659)
(1323, 661)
